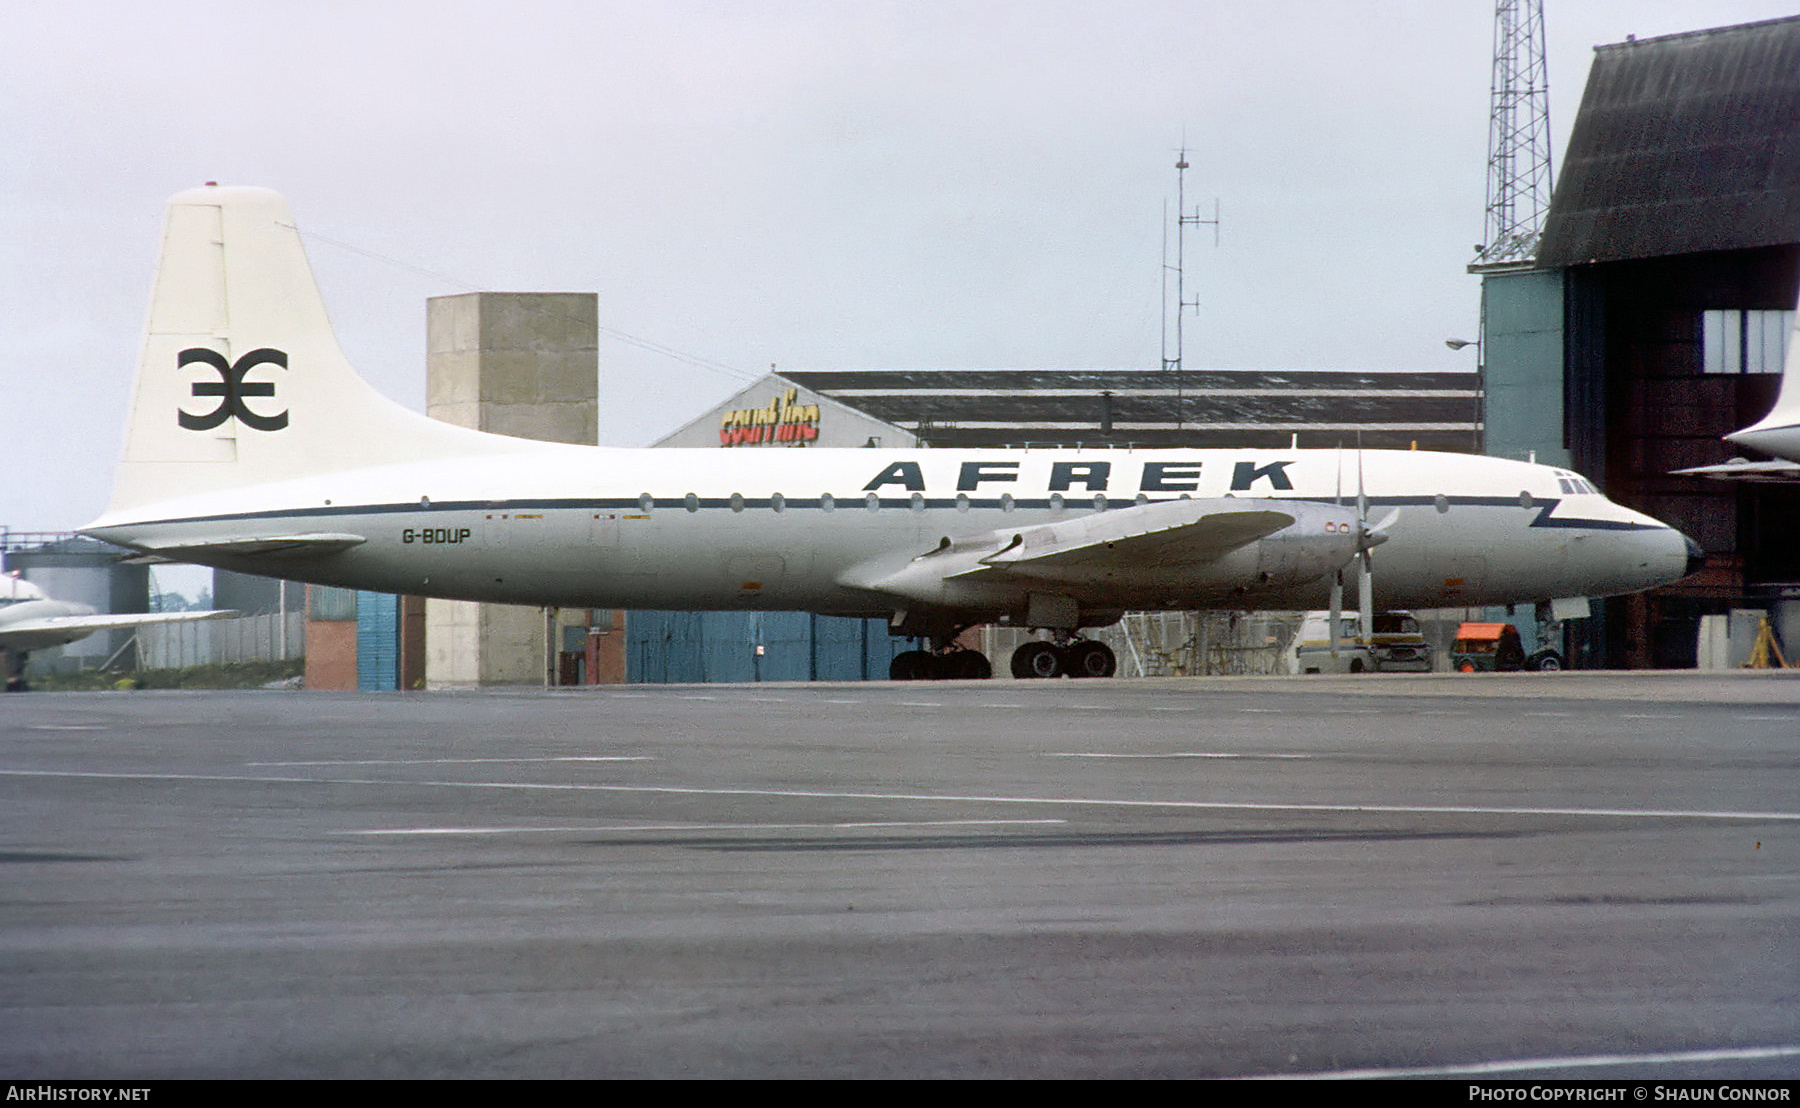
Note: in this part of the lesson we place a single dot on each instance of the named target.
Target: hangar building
(1654, 318)
(1015, 407)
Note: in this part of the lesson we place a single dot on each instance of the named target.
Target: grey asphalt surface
(1532, 875)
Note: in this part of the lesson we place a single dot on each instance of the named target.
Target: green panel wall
(1523, 356)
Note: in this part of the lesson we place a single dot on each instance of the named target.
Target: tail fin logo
(231, 389)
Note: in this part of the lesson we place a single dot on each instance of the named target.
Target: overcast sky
(810, 184)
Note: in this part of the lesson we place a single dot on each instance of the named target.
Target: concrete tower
(524, 364)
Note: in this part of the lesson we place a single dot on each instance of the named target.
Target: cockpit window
(1575, 485)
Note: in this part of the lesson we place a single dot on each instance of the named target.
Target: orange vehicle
(1487, 647)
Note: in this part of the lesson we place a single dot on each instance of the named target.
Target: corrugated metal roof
(832, 381)
(1684, 144)
(996, 407)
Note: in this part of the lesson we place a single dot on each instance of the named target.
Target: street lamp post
(1480, 386)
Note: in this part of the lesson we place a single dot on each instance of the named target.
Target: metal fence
(1178, 644)
(222, 641)
(1171, 644)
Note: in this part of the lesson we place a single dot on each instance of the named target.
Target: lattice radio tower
(1518, 168)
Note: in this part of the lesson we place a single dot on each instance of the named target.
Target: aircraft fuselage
(808, 528)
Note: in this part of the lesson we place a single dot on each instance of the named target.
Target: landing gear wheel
(966, 665)
(912, 665)
(1036, 659)
(1089, 659)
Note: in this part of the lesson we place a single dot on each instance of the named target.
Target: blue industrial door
(721, 647)
(377, 641)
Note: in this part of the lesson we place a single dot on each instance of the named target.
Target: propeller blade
(1362, 499)
(1365, 568)
(1378, 534)
(1365, 599)
(1337, 608)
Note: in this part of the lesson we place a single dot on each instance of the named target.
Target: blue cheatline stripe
(856, 503)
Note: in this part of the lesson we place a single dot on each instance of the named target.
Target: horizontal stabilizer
(317, 544)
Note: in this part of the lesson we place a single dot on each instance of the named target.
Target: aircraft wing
(47, 631)
(1145, 543)
(1140, 544)
(299, 547)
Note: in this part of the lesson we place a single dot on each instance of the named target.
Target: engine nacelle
(1196, 549)
(1321, 540)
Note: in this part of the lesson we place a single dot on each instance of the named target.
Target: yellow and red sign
(783, 423)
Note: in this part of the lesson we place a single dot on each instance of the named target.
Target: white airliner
(254, 446)
(29, 621)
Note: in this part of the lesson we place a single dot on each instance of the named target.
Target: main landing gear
(954, 663)
(1075, 658)
(1037, 658)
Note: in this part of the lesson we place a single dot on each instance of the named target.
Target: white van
(1311, 649)
(1396, 646)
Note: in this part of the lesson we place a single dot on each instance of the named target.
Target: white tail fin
(240, 380)
(1778, 433)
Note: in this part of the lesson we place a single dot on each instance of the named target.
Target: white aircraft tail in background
(1778, 433)
(253, 446)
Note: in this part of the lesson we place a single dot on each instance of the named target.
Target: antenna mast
(1518, 168)
(1183, 219)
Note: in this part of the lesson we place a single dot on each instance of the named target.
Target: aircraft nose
(1696, 557)
(1769, 440)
